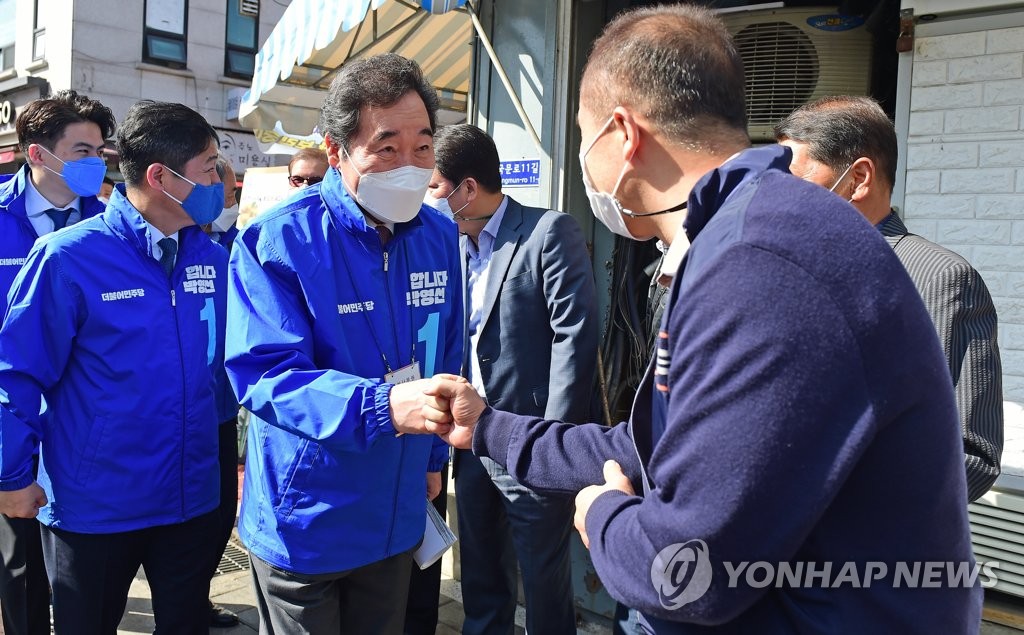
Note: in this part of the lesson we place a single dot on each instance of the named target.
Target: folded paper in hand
(437, 538)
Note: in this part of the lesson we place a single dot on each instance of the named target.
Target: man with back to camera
(338, 296)
(789, 385)
(848, 144)
(62, 138)
(115, 322)
(532, 324)
(307, 167)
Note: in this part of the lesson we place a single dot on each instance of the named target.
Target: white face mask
(394, 196)
(442, 205)
(606, 207)
(227, 218)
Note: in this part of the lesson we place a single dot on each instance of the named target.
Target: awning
(315, 37)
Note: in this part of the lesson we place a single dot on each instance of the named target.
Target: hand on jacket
(22, 503)
(452, 409)
(614, 481)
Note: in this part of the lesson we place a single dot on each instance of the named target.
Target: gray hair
(840, 129)
(379, 81)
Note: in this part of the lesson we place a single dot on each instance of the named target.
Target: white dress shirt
(36, 207)
(478, 264)
(155, 235)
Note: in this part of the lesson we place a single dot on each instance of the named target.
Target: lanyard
(366, 316)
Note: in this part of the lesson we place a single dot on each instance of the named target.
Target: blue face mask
(204, 203)
(84, 177)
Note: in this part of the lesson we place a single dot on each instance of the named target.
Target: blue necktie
(59, 217)
(168, 249)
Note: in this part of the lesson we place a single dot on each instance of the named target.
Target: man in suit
(848, 145)
(62, 138)
(532, 349)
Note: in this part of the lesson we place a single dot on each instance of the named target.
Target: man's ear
(34, 154)
(333, 151)
(472, 189)
(862, 177)
(625, 124)
(155, 175)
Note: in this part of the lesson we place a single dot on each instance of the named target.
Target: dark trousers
(362, 600)
(228, 439)
(91, 574)
(501, 521)
(24, 589)
(425, 584)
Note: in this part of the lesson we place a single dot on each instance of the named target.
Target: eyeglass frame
(297, 180)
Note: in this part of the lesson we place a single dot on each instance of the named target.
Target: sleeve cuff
(380, 423)
(18, 483)
(438, 459)
(490, 433)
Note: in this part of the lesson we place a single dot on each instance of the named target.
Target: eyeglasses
(299, 181)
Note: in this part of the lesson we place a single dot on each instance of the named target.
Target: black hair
(676, 64)
(161, 132)
(462, 151)
(43, 121)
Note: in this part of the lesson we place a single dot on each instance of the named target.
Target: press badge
(404, 374)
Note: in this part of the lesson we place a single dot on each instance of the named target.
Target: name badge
(404, 374)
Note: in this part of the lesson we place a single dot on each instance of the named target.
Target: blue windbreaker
(314, 303)
(123, 357)
(16, 232)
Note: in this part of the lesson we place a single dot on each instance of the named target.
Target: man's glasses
(299, 181)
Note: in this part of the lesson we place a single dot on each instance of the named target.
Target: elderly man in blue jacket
(115, 322)
(795, 444)
(62, 138)
(347, 290)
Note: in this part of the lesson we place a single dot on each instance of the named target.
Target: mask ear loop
(841, 177)
(351, 162)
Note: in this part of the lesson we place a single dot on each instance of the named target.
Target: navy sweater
(800, 412)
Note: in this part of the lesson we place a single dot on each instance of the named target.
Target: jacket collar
(12, 197)
(712, 190)
(126, 221)
(347, 213)
(892, 225)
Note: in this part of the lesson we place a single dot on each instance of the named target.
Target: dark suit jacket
(538, 331)
(961, 308)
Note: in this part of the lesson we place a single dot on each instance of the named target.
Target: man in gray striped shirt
(848, 145)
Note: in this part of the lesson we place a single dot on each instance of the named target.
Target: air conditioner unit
(793, 56)
(250, 8)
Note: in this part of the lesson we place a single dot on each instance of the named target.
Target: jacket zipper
(401, 452)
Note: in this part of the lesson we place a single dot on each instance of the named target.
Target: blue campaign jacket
(16, 232)
(313, 303)
(123, 357)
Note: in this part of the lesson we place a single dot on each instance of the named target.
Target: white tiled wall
(965, 167)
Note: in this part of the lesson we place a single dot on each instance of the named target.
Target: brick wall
(965, 167)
